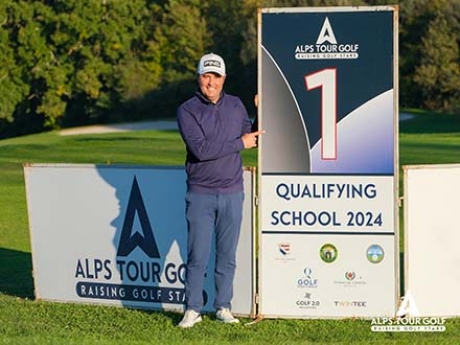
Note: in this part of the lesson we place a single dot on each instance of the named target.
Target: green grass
(426, 139)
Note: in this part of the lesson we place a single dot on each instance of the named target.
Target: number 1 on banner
(326, 79)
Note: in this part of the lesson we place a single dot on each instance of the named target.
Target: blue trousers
(218, 217)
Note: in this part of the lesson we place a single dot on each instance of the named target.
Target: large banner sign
(117, 235)
(328, 162)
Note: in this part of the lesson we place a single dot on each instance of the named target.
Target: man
(215, 127)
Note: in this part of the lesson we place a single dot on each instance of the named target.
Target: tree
(429, 54)
(12, 89)
(438, 74)
(179, 40)
(69, 62)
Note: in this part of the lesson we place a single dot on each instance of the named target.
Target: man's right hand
(250, 139)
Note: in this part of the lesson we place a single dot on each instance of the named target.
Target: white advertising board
(431, 238)
(117, 235)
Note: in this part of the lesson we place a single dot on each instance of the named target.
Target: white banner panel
(312, 203)
(117, 235)
(327, 276)
(432, 235)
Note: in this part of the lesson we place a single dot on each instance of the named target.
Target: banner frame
(43, 293)
(396, 205)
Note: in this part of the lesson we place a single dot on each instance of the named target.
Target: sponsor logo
(284, 248)
(307, 302)
(350, 279)
(328, 253)
(284, 252)
(350, 304)
(375, 254)
(350, 275)
(326, 46)
(213, 63)
(307, 280)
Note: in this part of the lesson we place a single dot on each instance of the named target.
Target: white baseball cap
(211, 63)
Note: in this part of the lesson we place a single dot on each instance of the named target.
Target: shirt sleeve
(247, 124)
(197, 144)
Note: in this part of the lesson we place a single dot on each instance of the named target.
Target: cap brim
(211, 70)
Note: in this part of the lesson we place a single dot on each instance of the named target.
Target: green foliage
(429, 54)
(74, 62)
(310, 3)
(438, 74)
(179, 39)
(182, 38)
(12, 89)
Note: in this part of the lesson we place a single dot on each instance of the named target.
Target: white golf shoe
(190, 318)
(225, 315)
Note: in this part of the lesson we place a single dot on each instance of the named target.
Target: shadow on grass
(16, 273)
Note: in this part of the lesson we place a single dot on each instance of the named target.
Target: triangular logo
(128, 241)
(408, 306)
(326, 34)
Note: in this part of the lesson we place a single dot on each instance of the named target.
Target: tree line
(74, 62)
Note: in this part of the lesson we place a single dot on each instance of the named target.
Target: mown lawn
(426, 139)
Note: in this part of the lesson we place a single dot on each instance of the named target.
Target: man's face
(211, 85)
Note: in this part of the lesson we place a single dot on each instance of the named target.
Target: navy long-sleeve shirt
(212, 135)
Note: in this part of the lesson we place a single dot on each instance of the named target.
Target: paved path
(405, 116)
(147, 125)
(123, 127)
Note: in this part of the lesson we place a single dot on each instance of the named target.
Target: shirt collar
(207, 101)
